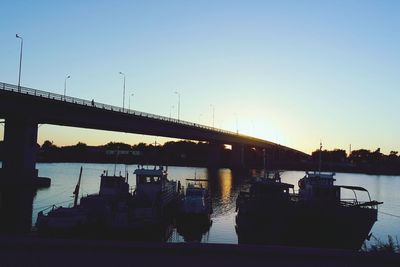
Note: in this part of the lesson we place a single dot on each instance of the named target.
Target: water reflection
(193, 230)
(225, 184)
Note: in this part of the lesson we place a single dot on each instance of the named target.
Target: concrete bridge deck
(49, 108)
(24, 108)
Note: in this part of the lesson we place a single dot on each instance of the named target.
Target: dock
(34, 251)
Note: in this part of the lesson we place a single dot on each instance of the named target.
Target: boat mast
(264, 162)
(116, 160)
(320, 157)
(76, 191)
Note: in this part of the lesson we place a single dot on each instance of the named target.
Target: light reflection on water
(224, 187)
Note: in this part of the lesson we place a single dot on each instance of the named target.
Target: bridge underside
(24, 111)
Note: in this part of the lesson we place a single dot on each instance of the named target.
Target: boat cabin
(268, 188)
(197, 200)
(196, 191)
(113, 185)
(318, 187)
(151, 182)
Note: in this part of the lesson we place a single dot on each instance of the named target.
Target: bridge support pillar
(237, 159)
(16, 206)
(214, 155)
(20, 148)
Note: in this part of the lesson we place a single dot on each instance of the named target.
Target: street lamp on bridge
(20, 62)
(237, 128)
(170, 110)
(179, 103)
(130, 101)
(213, 110)
(123, 98)
(65, 84)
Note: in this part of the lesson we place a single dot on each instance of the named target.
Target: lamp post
(130, 101)
(213, 110)
(237, 128)
(20, 62)
(65, 84)
(179, 103)
(123, 97)
(170, 110)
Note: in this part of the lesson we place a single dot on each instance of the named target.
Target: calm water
(224, 186)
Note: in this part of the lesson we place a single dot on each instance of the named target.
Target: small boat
(152, 206)
(194, 212)
(62, 220)
(196, 201)
(93, 213)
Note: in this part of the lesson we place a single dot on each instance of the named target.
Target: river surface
(224, 186)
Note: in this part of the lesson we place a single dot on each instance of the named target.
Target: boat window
(326, 193)
(149, 179)
(109, 182)
(196, 193)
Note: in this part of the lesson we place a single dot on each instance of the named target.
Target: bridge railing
(74, 100)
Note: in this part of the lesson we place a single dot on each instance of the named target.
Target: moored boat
(92, 214)
(195, 209)
(117, 211)
(315, 217)
(196, 201)
(152, 206)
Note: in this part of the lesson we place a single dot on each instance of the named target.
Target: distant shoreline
(202, 154)
(309, 166)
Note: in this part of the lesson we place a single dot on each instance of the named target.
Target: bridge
(24, 108)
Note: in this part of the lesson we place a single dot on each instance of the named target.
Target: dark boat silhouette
(193, 219)
(92, 215)
(117, 211)
(315, 217)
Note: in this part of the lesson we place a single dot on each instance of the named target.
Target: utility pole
(179, 104)
(123, 97)
(65, 84)
(20, 62)
(213, 114)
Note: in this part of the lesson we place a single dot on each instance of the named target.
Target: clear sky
(293, 72)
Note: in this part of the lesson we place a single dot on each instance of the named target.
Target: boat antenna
(76, 191)
(116, 159)
(320, 156)
(264, 162)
